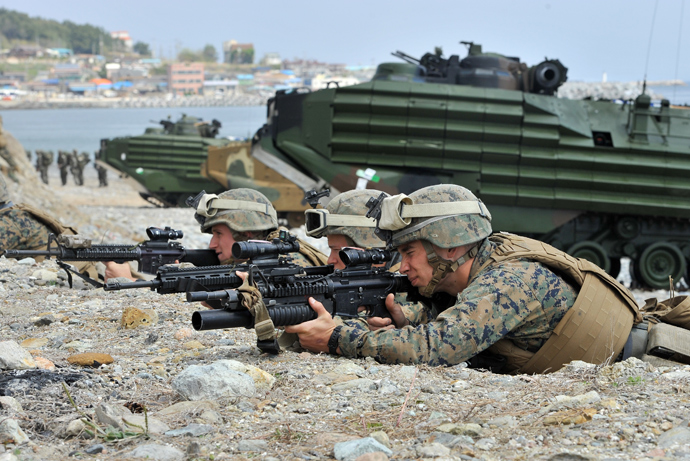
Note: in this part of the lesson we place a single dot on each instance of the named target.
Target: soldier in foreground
(495, 295)
(235, 215)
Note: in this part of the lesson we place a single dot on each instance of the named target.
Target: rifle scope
(354, 257)
(247, 250)
(158, 234)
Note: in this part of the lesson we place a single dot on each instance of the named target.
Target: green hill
(20, 28)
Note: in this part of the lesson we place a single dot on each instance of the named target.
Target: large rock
(123, 419)
(220, 380)
(349, 451)
(14, 357)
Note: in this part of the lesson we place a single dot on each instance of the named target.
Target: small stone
(352, 449)
(252, 445)
(95, 449)
(194, 345)
(133, 317)
(183, 333)
(33, 343)
(157, 452)
(375, 456)
(44, 363)
(26, 262)
(382, 438)
(11, 404)
(75, 428)
(10, 432)
(470, 429)
(192, 430)
(90, 359)
(151, 338)
(433, 450)
(14, 357)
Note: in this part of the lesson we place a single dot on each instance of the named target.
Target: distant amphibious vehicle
(599, 179)
(165, 160)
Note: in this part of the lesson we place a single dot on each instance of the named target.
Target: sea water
(82, 129)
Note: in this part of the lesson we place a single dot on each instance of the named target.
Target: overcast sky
(590, 37)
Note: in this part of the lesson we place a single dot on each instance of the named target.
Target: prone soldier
(233, 216)
(512, 301)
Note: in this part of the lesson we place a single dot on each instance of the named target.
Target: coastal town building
(124, 37)
(238, 53)
(186, 78)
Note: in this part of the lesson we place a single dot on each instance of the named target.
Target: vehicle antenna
(680, 33)
(649, 47)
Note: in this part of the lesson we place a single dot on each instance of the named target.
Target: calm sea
(82, 129)
(677, 94)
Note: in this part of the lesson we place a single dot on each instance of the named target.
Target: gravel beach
(153, 388)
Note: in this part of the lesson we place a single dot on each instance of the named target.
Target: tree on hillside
(209, 54)
(142, 49)
(187, 55)
(19, 27)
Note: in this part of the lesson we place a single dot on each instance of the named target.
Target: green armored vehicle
(165, 160)
(599, 179)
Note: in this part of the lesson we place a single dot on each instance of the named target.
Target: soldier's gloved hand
(397, 319)
(113, 269)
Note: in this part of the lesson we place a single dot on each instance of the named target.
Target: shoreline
(141, 102)
(570, 90)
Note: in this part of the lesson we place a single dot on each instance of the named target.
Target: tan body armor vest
(315, 257)
(593, 330)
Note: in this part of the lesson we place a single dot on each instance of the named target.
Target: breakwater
(148, 101)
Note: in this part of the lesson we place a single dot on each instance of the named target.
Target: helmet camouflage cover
(446, 230)
(242, 220)
(354, 203)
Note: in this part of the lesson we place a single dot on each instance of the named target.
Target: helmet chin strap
(442, 267)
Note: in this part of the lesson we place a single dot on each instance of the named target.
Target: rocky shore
(88, 374)
(159, 100)
(569, 90)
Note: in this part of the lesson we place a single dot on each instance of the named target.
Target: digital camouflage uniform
(20, 230)
(498, 303)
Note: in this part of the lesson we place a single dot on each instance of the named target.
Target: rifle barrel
(115, 286)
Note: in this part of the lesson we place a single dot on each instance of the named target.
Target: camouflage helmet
(4, 195)
(242, 210)
(446, 215)
(345, 215)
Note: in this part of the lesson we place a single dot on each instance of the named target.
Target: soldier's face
(336, 243)
(222, 241)
(415, 264)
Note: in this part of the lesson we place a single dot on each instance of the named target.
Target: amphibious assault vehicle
(165, 160)
(599, 179)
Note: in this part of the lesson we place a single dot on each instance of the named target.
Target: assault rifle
(266, 262)
(360, 284)
(150, 255)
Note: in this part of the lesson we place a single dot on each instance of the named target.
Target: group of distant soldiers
(68, 162)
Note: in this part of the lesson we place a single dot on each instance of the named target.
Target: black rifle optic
(342, 293)
(266, 261)
(150, 254)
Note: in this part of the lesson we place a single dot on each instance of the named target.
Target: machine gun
(266, 262)
(150, 255)
(360, 284)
